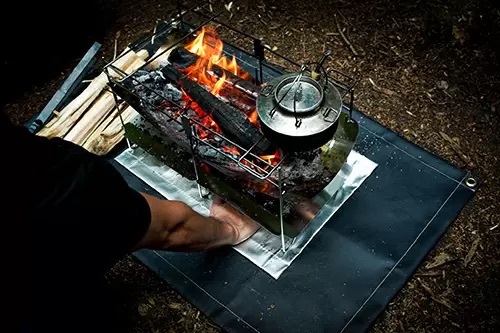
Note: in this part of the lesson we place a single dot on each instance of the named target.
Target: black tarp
(355, 265)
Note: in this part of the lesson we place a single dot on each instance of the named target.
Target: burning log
(238, 100)
(243, 97)
(234, 124)
(183, 59)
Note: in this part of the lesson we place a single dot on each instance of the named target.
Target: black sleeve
(78, 205)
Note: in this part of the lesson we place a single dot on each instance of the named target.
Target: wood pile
(92, 119)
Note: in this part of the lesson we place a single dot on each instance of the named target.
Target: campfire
(198, 83)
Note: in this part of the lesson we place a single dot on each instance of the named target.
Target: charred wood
(238, 99)
(234, 124)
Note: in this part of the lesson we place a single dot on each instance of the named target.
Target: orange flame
(272, 159)
(231, 150)
(253, 117)
(209, 48)
(218, 85)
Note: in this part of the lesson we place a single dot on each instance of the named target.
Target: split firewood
(91, 119)
(97, 112)
(60, 125)
(89, 142)
(104, 140)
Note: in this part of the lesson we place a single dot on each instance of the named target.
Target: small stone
(442, 85)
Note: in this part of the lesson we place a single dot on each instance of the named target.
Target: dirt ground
(428, 70)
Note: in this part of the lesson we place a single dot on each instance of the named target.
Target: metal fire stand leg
(188, 129)
(117, 106)
(259, 54)
(280, 187)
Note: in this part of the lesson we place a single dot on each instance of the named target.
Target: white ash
(172, 93)
(209, 152)
(154, 88)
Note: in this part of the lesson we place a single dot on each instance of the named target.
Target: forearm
(176, 227)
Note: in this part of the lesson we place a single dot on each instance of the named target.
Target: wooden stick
(61, 125)
(353, 50)
(103, 143)
(88, 123)
(102, 126)
(97, 112)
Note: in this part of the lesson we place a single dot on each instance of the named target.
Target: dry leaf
(439, 260)
(471, 252)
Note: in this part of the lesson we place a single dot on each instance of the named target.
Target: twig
(386, 91)
(433, 101)
(115, 53)
(456, 149)
(439, 260)
(472, 251)
(353, 50)
(437, 298)
(429, 274)
(401, 326)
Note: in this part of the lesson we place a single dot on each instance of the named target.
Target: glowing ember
(231, 150)
(272, 159)
(253, 117)
(204, 118)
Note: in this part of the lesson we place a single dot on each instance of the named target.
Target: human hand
(244, 227)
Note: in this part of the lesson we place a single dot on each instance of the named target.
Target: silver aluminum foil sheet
(264, 249)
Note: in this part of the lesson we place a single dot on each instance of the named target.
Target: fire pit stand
(284, 212)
